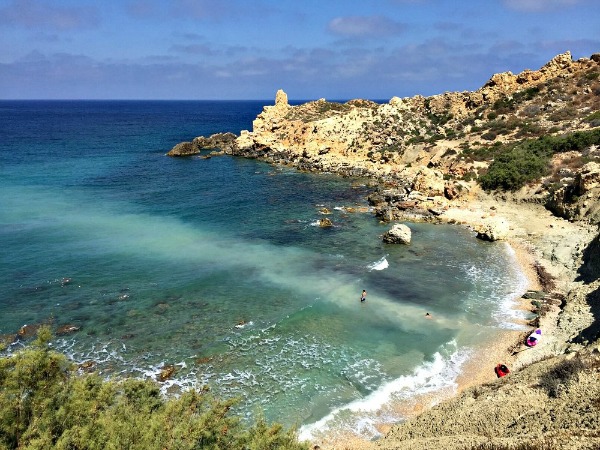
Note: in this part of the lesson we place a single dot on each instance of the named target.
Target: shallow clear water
(166, 256)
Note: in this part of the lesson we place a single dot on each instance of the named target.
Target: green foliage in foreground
(528, 160)
(44, 405)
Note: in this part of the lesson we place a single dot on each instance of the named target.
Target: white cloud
(365, 26)
(38, 14)
(538, 5)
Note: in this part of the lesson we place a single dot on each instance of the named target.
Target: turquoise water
(218, 266)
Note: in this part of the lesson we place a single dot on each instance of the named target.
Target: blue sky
(241, 49)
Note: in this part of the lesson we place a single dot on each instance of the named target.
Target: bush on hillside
(517, 164)
(44, 404)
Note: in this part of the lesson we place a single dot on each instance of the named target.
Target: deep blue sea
(217, 266)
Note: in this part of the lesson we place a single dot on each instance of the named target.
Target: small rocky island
(516, 160)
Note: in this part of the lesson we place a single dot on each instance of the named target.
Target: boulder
(326, 222)
(451, 192)
(165, 373)
(398, 234)
(184, 149)
(7, 339)
(87, 366)
(493, 229)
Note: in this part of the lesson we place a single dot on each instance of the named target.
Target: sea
(218, 267)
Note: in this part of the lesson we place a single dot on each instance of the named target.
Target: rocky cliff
(438, 146)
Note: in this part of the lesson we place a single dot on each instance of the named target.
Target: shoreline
(532, 244)
(476, 370)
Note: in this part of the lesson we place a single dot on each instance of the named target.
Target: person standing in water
(363, 296)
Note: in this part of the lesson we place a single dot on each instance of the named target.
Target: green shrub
(520, 163)
(593, 118)
(44, 404)
(511, 170)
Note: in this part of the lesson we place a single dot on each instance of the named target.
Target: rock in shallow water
(398, 234)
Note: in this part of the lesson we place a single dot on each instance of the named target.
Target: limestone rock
(87, 366)
(281, 99)
(398, 234)
(165, 373)
(588, 178)
(184, 149)
(325, 222)
(224, 142)
(493, 229)
(221, 141)
(451, 192)
(7, 339)
(430, 182)
(28, 331)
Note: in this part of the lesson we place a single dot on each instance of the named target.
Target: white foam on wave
(362, 416)
(507, 313)
(502, 272)
(380, 264)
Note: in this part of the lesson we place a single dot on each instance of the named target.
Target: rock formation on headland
(219, 141)
(517, 159)
(437, 146)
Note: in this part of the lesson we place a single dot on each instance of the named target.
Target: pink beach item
(534, 338)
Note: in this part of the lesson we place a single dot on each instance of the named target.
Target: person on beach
(363, 296)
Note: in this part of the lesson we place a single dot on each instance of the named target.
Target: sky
(244, 50)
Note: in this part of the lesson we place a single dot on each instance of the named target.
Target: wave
(385, 405)
(506, 313)
(500, 281)
(381, 264)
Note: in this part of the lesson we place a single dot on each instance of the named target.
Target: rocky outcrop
(184, 149)
(493, 229)
(325, 223)
(579, 197)
(363, 138)
(223, 142)
(165, 373)
(398, 234)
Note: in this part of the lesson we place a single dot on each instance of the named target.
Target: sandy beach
(539, 240)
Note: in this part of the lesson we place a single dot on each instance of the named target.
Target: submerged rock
(67, 329)
(87, 366)
(28, 331)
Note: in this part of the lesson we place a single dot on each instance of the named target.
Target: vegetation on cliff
(45, 404)
(524, 161)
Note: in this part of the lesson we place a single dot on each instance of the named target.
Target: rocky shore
(425, 157)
